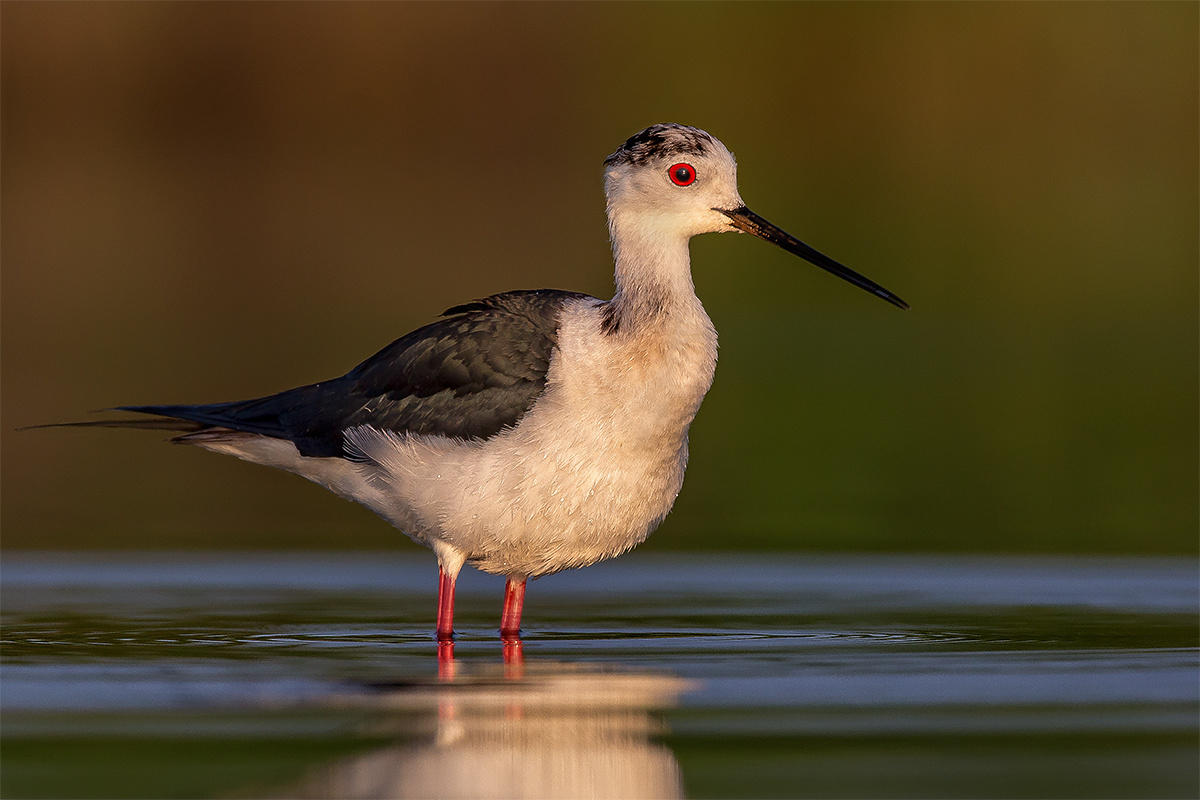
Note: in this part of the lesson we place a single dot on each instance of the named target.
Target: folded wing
(469, 375)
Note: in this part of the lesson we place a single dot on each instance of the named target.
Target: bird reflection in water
(511, 730)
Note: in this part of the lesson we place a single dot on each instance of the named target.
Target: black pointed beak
(746, 220)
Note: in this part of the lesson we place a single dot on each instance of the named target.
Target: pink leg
(514, 600)
(445, 617)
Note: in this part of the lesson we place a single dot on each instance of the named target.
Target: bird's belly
(548, 503)
(588, 473)
(560, 490)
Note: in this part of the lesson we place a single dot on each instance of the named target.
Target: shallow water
(287, 675)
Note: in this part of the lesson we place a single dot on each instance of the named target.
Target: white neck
(653, 270)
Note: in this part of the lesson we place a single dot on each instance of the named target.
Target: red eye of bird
(682, 174)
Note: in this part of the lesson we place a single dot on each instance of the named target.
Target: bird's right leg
(450, 561)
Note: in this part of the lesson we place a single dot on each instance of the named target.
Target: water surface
(284, 674)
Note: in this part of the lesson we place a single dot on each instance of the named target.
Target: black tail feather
(247, 417)
(259, 416)
(161, 424)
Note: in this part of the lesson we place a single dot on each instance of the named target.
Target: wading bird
(531, 431)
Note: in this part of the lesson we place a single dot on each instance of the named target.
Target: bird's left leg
(514, 600)
(445, 611)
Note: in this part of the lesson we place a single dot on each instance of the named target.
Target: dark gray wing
(469, 375)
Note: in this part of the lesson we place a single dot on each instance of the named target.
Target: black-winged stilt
(531, 431)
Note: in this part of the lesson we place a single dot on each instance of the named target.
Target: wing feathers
(469, 375)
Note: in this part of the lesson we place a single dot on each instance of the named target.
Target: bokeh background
(211, 201)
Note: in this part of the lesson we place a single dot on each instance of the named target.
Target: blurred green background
(213, 201)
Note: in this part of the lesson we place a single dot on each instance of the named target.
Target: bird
(532, 431)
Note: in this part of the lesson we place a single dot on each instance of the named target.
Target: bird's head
(671, 181)
(673, 177)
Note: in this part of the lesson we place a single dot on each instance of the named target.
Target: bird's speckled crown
(665, 140)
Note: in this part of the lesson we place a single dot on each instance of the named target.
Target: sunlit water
(315, 675)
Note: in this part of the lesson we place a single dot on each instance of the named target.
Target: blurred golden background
(211, 201)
